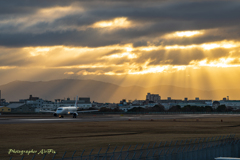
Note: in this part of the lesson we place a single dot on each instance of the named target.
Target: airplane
(68, 111)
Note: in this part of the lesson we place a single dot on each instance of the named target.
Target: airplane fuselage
(68, 110)
(65, 111)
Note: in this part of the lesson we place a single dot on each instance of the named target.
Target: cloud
(115, 58)
(71, 23)
(69, 73)
(80, 39)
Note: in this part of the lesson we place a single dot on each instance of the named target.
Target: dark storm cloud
(152, 19)
(205, 11)
(13, 7)
(89, 37)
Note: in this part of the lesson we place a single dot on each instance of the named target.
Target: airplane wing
(47, 111)
(88, 111)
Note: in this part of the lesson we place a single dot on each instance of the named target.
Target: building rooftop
(15, 105)
(230, 101)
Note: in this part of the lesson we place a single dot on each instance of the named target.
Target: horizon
(187, 44)
(105, 92)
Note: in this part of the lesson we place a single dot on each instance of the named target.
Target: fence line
(193, 149)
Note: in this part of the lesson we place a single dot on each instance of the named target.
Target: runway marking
(131, 117)
(45, 119)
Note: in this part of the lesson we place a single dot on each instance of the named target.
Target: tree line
(177, 108)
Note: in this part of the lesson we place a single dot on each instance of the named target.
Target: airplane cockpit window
(59, 109)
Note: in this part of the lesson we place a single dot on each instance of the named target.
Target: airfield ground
(78, 135)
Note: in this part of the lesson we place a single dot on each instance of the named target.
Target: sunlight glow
(180, 47)
(121, 22)
(35, 51)
(7, 67)
(179, 68)
(221, 62)
(188, 33)
(207, 46)
(123, 59)
(156, 69)
(184, 34)
(120, 55)
(88, 66)
(43, 50)
(113, 73)
(149, 48)
(223, 44)
(129, 49)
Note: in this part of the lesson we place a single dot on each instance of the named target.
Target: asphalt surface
(99, 118)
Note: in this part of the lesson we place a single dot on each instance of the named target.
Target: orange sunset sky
(193, 44)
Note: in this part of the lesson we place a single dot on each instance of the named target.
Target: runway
(99, 118)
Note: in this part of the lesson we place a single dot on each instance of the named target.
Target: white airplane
(68, 110)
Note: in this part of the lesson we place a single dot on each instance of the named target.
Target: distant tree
(157, 108)
(237, 110)
(221, 108)
(186, 108)
(117, 109)
(229, 109)
(104, 109)
(92, 108)
(176, 108)
(194, 109)
(137, 109)
(208, 109)
(215, 104)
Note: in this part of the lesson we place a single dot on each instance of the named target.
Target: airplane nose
(58, 112)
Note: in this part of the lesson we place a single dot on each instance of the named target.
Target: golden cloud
(109, 60)
(68, 72)
(221, 62)
(184, 34)
(120, 22)
(207, 46)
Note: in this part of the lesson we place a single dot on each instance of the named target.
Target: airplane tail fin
(76, 101)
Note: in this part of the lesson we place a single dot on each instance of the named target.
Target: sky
(139, 42)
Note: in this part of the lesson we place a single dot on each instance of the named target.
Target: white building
(153, 97)
(140, 102)
(40, 104)
(48, 106)
(235, 104)
(37, 104)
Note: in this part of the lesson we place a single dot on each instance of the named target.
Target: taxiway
(99, 118)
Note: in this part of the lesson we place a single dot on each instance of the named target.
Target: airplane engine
(54, 114)
(75, 115)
